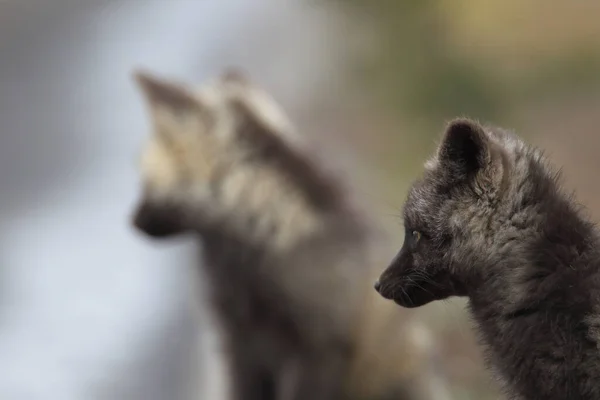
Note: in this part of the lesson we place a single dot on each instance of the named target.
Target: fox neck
(522, 312)
(258, 207)
(553, 259)
(265, 200)
(520, 306)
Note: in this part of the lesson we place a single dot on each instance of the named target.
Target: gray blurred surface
(89, 310)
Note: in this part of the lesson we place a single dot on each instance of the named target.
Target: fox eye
(416, 236)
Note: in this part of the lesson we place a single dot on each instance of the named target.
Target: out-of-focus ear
(467, 153)
(164, 94)
(173, 107)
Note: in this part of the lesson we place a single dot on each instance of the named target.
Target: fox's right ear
(464, 147)
(466, 152)
(171, 104)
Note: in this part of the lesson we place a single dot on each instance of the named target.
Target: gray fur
(492, 223)
(286, 253)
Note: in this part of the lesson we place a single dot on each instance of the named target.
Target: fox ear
(468, 154)
(465, 148)
(164, 94)
(172, 105)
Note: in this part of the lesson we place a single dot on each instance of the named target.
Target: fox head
(225, 152)
(485, 203)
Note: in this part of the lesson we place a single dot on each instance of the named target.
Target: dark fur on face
(436, 208)
(491, 222)
(159, 220)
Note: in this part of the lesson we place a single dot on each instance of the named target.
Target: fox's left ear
(172, 106)
(468, 153)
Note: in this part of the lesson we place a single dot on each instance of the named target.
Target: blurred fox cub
(286, 253)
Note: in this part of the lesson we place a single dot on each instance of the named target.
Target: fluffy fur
(287, 255)
(489, 220)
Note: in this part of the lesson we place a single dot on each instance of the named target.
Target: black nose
(377, 285)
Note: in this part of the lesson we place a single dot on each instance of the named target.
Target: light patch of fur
(268, 112)
(163, 161)
(222, 90)
(250, 190)
(158, 167)
(431, 164)
(260, 104)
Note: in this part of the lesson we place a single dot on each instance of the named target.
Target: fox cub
(489, 221)
(287, 255)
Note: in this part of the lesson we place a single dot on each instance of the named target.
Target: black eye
(416, 236)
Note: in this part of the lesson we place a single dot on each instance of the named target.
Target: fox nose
(377, 285)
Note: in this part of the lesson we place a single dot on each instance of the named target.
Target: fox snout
(384, 286)
(377, 286)
(157, 221)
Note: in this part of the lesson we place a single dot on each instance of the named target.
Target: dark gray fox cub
(287, 257)
(488, 220)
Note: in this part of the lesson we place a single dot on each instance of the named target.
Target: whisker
(425, 277)
(415, 283)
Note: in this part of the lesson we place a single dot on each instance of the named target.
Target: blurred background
(91, 310)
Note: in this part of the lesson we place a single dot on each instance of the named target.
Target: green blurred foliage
(414, 68)
(417, 68)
